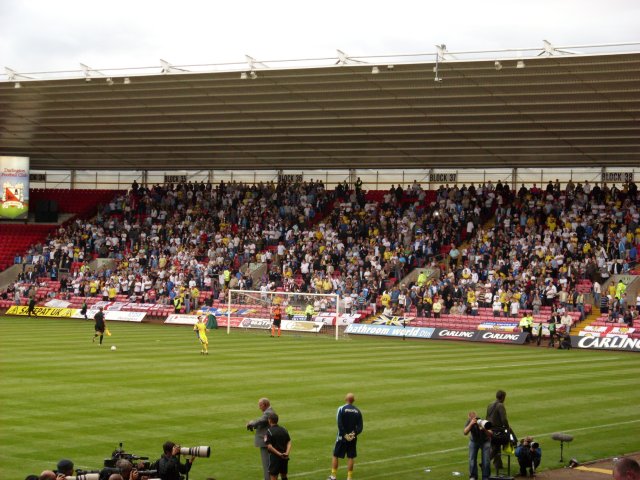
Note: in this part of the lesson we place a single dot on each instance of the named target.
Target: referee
(350, 425)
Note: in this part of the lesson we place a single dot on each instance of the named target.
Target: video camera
(118, 453)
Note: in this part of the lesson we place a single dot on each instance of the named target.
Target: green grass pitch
(63, 397)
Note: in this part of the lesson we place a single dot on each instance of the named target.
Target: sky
(57, 35)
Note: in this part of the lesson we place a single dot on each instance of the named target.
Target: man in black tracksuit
(350, 425)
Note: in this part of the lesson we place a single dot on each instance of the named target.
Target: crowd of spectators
(176, 241)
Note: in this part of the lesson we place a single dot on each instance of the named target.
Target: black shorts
(278, 465)
(99, 329)
(343, 448)
(276, 323)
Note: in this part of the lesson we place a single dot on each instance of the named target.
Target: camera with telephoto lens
(486, 424)
(535, 445)
(203, 451)
(85, 475)
(106, 472)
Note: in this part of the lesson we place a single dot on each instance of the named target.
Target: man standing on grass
(100, 325)
(259, 425)
(278, 444)
(350, 425)
(479, 441)
(497, 415)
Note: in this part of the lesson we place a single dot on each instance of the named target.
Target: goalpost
(256, 308)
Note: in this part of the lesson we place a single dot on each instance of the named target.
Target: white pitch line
(449, 450)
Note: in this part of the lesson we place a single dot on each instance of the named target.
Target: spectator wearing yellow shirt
(195, 297)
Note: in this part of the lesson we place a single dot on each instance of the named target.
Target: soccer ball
(113, 347)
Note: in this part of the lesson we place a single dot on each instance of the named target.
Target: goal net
(300, 312)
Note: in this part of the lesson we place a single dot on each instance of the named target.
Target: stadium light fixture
(109, 81)
(253, 75)
(14, 76)
(126, 80)
(520, 64)
(243, 76)
(375, 70)
(498, 65)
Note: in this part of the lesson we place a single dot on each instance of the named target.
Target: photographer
(64, 467)
(169, 466)
(497, 415)
(479, 440)
(529, 455)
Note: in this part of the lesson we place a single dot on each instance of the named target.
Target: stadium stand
(542, 252)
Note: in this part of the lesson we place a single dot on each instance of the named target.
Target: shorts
(343, 448)
(276, 323)
(278, 465)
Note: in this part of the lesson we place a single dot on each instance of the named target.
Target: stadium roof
(563, 109)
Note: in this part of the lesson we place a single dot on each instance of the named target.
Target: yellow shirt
(202, 331)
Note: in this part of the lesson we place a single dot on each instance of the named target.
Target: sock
(101, 339)
(349, 475)
(334, 472)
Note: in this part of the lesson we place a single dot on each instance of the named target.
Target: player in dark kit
(350, 425)
(278, 443)
(100, 325)
(277, 319)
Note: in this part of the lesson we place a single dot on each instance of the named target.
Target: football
(113, 347)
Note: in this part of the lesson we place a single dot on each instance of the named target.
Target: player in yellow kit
(201, 327)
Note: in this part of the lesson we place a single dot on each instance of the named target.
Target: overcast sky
(46, 35)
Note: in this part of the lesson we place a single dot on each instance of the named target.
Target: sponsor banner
(219, 312)
(386, 320)
(55, 303)
(120, 306)
(43, 311)
(453, 334)
(234, 321)
(498, 326)
(139, 306)
(606, 343)
(286, 325)
(389, 330)
(14, 180)
(332, 318)
(113, 315)
(606, 331)
(177, 319)
(297, 326)
(500, 337)
(125, 316)
(262, 323)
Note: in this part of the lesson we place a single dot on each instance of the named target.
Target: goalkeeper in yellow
(201, 328)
